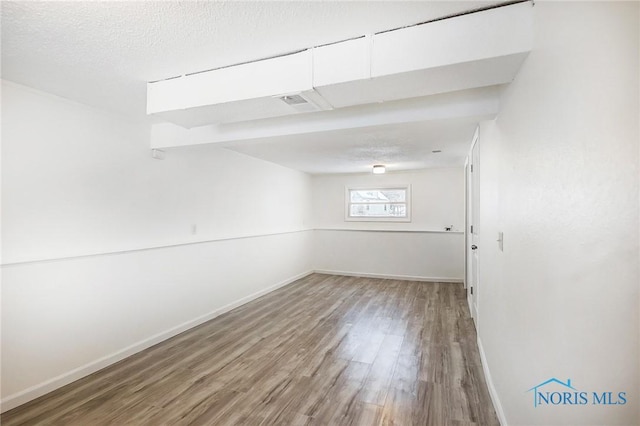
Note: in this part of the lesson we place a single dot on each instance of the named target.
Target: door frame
(466, 281)
(471, 173)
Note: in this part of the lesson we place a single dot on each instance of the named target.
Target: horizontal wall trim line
(50, 385)
(213, 240)
(119, 252)
(389, 276)
(405, 231)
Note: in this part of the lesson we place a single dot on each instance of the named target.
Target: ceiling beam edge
(482, 103)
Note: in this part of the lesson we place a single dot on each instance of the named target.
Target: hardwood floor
(325, 350)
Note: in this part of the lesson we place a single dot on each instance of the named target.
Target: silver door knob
(473, 247)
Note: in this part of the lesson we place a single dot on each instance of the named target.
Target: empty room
(320, 213)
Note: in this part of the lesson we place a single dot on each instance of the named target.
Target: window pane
(378, 210)
(378, 195)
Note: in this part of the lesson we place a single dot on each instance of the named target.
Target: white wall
(77, 181)
(559, 175)
(418, 249)
(81, 181)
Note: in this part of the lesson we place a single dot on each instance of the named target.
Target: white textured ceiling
(102, 53)
(404, 146)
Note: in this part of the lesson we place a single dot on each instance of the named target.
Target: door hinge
(472, 229)
(472, 168)
(471, 290)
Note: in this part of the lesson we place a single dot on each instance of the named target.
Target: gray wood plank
(323, 350)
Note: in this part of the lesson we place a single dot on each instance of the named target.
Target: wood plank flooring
(325, 350)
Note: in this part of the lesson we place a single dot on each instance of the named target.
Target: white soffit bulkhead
(474, 50)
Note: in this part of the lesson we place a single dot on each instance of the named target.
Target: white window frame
(347, 203)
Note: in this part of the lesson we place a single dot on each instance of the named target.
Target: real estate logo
(556, 392)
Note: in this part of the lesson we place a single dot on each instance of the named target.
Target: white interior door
(473, 202)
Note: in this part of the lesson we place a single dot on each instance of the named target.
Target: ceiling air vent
(293, 100)
(308, 101)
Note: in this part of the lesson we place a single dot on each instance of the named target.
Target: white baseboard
(492, 390)
(43, 388)
(390, 277)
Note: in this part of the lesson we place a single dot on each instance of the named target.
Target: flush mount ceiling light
(379, 169)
